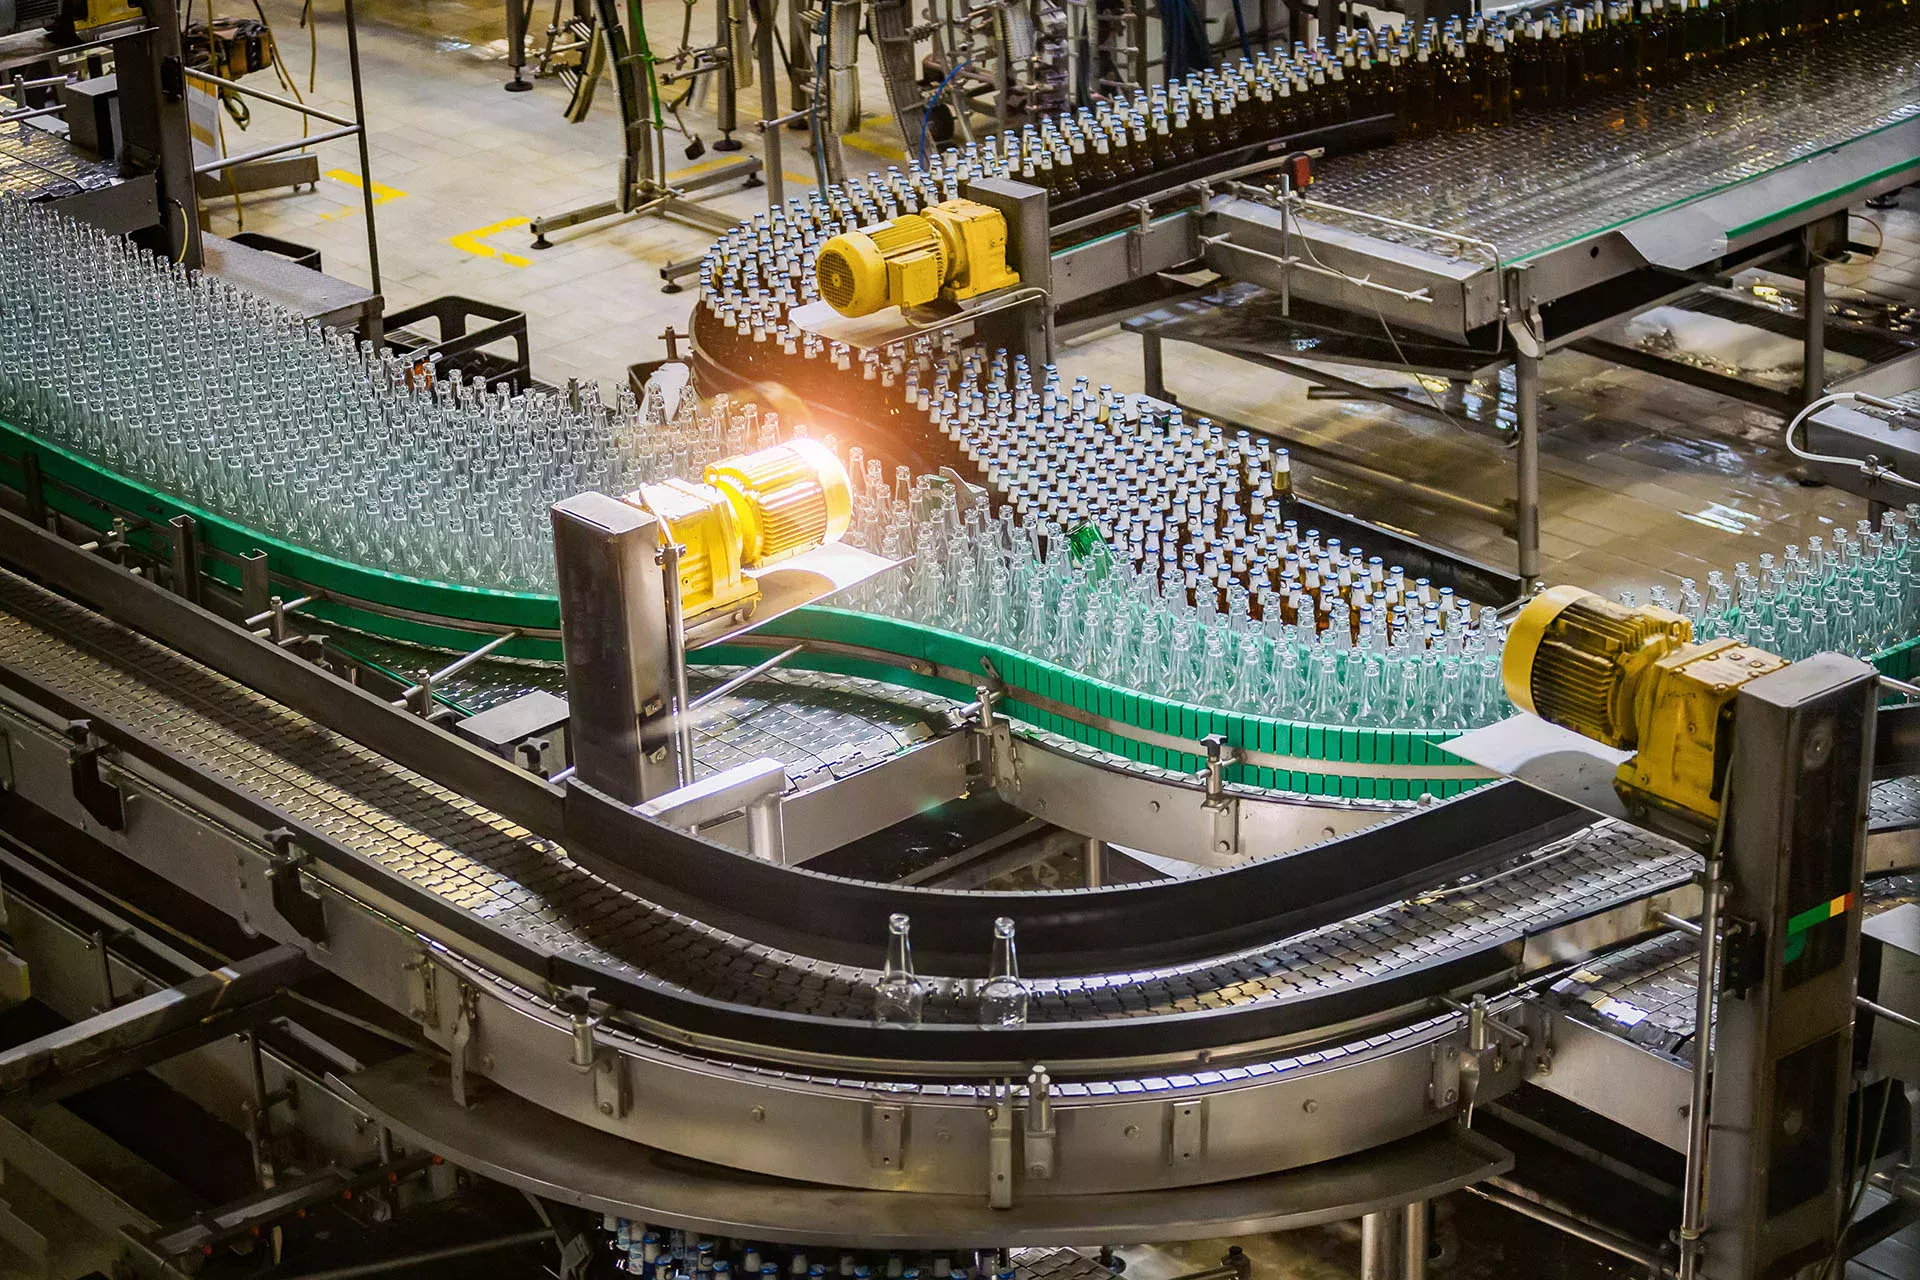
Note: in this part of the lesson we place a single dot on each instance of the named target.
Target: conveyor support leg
(1813, 373)
(1527, 469)
(1382, 1245)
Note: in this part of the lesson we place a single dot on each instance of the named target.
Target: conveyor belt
(452, 848)
(36, 164)
(1556, 177)
(816, 723)
(1644, 993)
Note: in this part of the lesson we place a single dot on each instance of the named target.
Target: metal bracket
(886, 1135)
(298, 905)
(1186, 1132)
(610, 1096)
(1039, 1141)
(995, 744)
(1000, 1148)
(423, 994)
(1137, 238)
(1743, 956)
(464, 1019)
(1443, 1087)
(1222, 809)
(100, 798)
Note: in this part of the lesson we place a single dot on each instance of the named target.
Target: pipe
(236, 87)
(677, 663)
(1881, 1011)
(360, 127)
(1673, 921)
(279, 148)
(1527, 470)
(1694, 1191)
(385, 1265)
(1380, 1245)
(1415, 1241)
(731, 683)
(291, 605)
(1593, 1235)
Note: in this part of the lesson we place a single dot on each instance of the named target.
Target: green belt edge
(1403, 748)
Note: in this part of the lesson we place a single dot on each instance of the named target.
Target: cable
(1871, 470)
(1385, 328)
(1865, 1156)
(186, 231)
(1869, 259)
(1240, 25)
(926, 112)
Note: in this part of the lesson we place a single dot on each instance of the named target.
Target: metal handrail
(275, 99)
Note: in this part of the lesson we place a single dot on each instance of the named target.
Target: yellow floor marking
(473, 242)
(381, 192)
(885, 150)
(346, 177)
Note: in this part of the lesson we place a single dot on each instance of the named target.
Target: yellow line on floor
(381, 192)
(885, 150)
(473, 242)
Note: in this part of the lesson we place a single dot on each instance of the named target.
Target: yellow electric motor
(1633, 679)
(956, 249)
(754, 509)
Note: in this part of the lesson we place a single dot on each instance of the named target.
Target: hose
(1867, 468)
(926, 112)
(1240, 25)
(645, 55)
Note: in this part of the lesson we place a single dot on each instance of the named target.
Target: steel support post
(1813, 373)
(763, 52)
(1415, 1240)
(1526, 525)
(517, 47)
(1706, 989)
(1096, 856)
(1382, 1245)
(726, 109)
(1153, 371)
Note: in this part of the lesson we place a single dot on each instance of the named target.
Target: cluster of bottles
(1326, 634)
(1860, 595)
(1438, 78)
(670, 1254)
(186, 384)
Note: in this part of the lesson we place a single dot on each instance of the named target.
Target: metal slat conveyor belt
(448, 846)
(1555, 177)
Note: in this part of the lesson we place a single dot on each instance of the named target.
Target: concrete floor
(1644, 480)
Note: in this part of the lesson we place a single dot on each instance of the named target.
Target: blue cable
(927, 111)
(1240, 24)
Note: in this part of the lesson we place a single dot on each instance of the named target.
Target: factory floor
(1644, 480)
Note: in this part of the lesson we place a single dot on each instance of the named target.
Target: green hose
(647, 59)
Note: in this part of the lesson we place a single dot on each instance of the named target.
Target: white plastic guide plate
(787, 584)
(1557, 761)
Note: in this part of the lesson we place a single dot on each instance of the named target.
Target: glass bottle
(899, 998)
(1003, 996)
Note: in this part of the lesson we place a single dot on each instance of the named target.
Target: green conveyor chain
(1377, 764)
